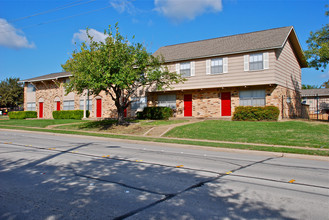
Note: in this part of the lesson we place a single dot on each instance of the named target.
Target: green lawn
(293, 133)
(162, 122)
(41, 123)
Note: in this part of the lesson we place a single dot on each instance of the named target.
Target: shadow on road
(110, 188)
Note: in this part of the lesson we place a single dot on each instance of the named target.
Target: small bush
(22, 114)
(155, 113)
(249, 113)
(69, 114)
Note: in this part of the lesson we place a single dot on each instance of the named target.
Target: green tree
(11, 92)
(117, 66)
(325, 84)
(318, 47)
(304, 86)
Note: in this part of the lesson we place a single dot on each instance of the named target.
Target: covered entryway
(98, 108)
(226, 103)
(188, 105)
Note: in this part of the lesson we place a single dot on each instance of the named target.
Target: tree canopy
(117, 66)
(305, 86)
(318, 47)
(11, 92)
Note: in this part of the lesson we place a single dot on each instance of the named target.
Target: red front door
(125, 113)
(99, 108)
(40, 109)
(188, 105)
(58, 106)
(226, 103)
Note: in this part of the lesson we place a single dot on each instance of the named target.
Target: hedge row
(155, 113)
(69, 114)
(249, 113)
(22, 114)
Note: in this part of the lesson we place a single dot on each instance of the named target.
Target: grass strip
(175, 141)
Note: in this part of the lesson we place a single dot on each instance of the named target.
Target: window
(30, 106)
(68, 105)
(216, 66)
(256, 61)
(252, 98)
(89, 104)
(30, 88)
(185, 69)
(139, 103)
(167, 101)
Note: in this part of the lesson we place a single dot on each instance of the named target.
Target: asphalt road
(45, 176)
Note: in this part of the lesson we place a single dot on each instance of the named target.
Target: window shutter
(192, 68)
(265, 60)
(177, 68)
(246, 62)
(225, 65)
(208, 66)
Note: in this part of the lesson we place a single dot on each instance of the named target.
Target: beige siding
(288, 71)
(236, 76)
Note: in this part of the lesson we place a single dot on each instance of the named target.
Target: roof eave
(39, 80)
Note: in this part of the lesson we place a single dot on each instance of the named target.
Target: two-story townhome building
(254, 69)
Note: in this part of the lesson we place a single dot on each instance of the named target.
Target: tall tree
(117, 66)
(11, 92)
(325, 84)
(305, 86)
(318, 47)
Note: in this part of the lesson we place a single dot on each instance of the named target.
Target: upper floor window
(185, 69)
(30, 87)
(256, 61)
(216, 66)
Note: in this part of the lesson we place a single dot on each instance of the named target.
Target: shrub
(249, 113)
(69, 114)
(22, 114)
(155, 113)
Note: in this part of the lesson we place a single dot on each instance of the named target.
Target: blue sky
(36, 37)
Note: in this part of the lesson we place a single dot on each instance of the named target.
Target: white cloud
(179, 10)
(325, 75)
(123, 5)
(12, 37)
(82, 36)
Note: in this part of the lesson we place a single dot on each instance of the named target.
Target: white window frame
(82, 103)
(68, 105)
(252, 97)
(216, 63)
(138, 103)
(260, 58)
(185, 69)
(256, 61)
(30, 106)
(167, 101)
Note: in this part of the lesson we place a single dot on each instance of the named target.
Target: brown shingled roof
(315, 92)
(48, 77)
(254, 41)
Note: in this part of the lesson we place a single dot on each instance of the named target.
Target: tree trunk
(121, 119)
